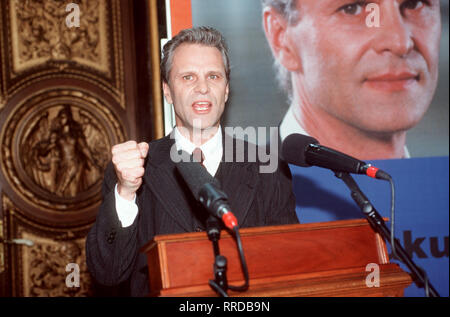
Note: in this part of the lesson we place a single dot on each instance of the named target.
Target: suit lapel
(239, 181)
(164, 182)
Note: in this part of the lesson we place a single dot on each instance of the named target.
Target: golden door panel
(36, 44)
(39, 34)
(43, 269)
(67, 94)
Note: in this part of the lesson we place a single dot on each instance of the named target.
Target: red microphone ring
(229, 220)
(372, 171)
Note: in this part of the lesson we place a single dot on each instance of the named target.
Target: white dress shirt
(212, 151)
(290, 125)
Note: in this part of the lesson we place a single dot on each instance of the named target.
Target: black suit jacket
(167, 206)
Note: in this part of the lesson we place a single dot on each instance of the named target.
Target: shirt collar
(290, 125)
(211, 148)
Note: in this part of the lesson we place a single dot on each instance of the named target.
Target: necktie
(198, 156)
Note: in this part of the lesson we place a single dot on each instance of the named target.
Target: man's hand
(128, 159)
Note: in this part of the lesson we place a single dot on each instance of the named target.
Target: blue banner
(421, 208)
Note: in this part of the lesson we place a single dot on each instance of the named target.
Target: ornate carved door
(67, 94)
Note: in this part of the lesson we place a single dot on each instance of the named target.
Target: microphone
(206, 189)
(302, 150)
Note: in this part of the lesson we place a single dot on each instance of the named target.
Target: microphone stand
(377, 222)
(220, 283)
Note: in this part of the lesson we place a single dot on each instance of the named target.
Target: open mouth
(201, 107)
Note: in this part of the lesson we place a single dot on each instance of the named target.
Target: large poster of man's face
(368, 79)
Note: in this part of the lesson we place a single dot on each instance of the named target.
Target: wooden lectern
(317, 259)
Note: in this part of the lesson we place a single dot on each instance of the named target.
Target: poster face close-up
(353, 77)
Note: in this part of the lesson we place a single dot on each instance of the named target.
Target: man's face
(377, 79)
(197, 88)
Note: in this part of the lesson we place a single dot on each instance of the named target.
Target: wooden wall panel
(67, 94)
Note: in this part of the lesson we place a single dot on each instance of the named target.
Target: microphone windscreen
(195, 176)
(293, 150)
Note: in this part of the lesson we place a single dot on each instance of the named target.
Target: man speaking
(143, 193)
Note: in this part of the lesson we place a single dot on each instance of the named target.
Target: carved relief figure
(95, 138)
(68, 157)
(36, 162)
